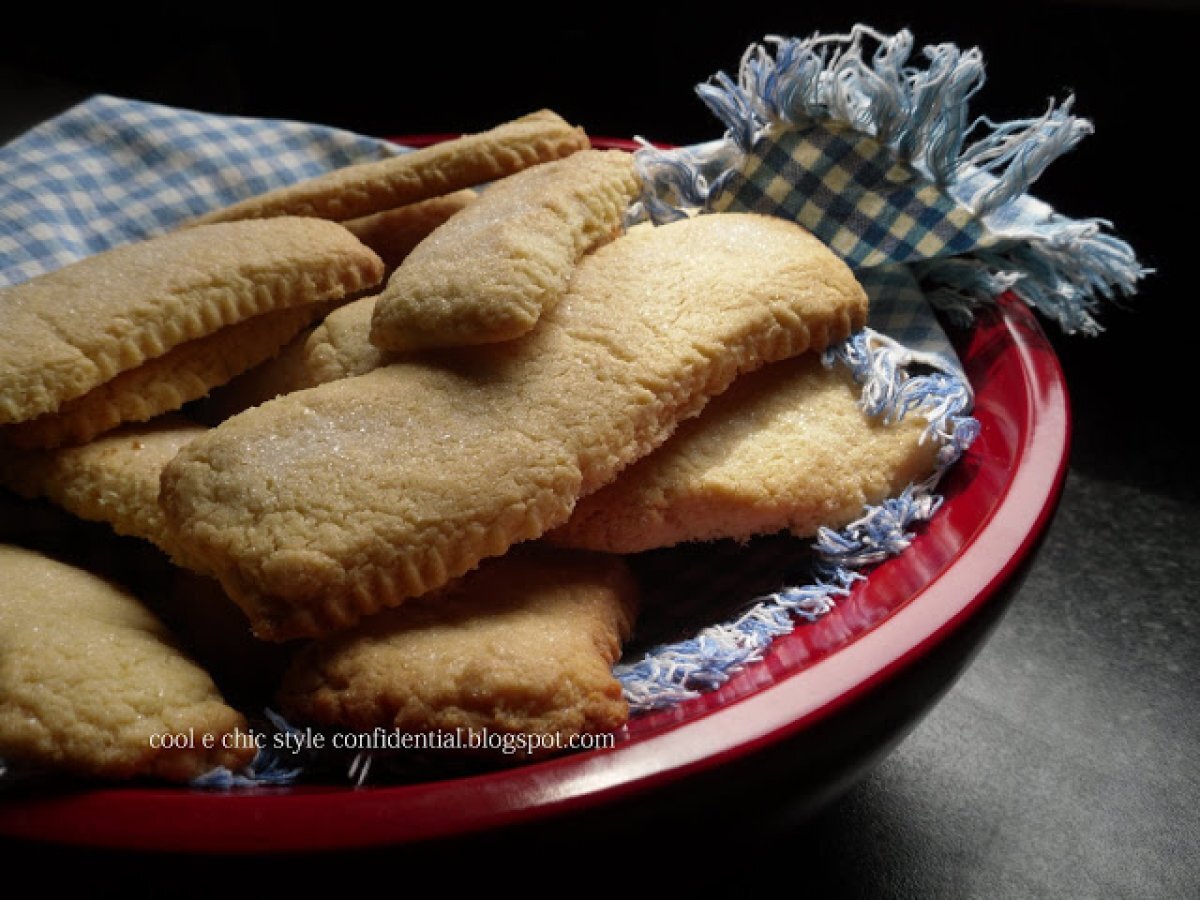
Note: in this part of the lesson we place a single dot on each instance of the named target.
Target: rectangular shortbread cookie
(787, 447)
(89, 679)
(488, 273)
(525, 645)
(371, 187)
(331, 503)
(113, 479)
(72, 330)
(393, 233)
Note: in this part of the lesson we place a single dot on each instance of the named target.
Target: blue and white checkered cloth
(871, 153)
(850, 191)
(110, 171)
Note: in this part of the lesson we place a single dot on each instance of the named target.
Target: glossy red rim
(998, 501)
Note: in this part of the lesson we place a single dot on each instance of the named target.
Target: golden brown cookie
(524, 647)
(113, 479)
(92, 683)
(785, 448)
(393, 233)
(165, 383)
(285, 372)
(337, 347)
(367, 188)
(72, 330)
(331, 503)
(490, 272)
(341, 347)
(551, 213)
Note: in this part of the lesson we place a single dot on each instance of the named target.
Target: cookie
(332, 503)
(112, 480)
(72, 330)
(367, 188)
(92, 683)
(163, 384)
(337, 347)
(785, 448)
(340, 347)
(490, 271)
(393, 233)
(523, 647)
(283, 373)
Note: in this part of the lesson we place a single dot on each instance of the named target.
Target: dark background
(1064, 761)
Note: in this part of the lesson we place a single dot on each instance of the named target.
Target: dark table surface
(1064, 762)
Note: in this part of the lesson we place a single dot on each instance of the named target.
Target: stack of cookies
(437, 418)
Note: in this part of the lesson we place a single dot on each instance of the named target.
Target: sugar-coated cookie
(524, 646)
(331, 503)
(367, 188)
(92, 683)
(393, 233)
(163, 384)
(489, 272)
(283, 373)
(74, 329)
(113, 479)
(787, 447)
(340, 347)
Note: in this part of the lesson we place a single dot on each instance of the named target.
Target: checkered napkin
(110, 171)
(870, 153)
(850, 191)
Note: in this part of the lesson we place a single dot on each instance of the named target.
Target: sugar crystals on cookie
(328, 504)
(76, 329)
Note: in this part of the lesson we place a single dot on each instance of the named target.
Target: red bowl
(840, 691)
